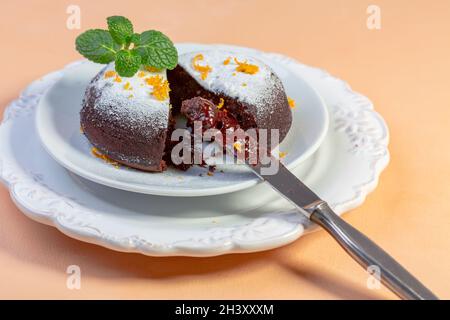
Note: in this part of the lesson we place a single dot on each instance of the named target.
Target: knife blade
(368, 254)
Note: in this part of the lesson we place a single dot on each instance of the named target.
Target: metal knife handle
(367, 253)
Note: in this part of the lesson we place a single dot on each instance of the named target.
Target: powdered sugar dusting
(120, 98)
(255, 89)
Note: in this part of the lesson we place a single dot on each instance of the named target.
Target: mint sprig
(128, 49)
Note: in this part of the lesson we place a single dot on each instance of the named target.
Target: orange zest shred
(110, 74)
(127, 86)
(105, 158)
(227, 61)
(204, 70)
(141, 74)
(152, 69)
(246, 67)
(160, 86)
(291, 102)
(282, 154)
(221, 103)
(237, 145)
(118, 79)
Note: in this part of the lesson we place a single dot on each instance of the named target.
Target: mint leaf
(97, 45)
(157, 50)
(135, 39)
(120, 28)
(128, 62)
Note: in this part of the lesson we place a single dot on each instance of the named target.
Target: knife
(356, 244)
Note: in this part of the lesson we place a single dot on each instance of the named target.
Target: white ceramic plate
(343, 171)
(58, 126)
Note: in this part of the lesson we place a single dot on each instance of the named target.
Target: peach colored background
(404, 68)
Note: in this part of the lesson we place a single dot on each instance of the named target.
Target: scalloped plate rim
(360, 192)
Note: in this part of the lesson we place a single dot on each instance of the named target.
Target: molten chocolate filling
(202, 110)
(205, 111)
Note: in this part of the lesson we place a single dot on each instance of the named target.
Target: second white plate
(57, 122)
(343, 171)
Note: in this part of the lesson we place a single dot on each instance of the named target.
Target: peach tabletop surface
(404, 68)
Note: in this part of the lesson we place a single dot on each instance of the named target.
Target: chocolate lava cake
(129, 120)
